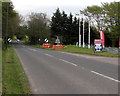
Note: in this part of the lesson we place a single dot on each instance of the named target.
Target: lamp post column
(83, 34)
(79, 33)
(89, 35)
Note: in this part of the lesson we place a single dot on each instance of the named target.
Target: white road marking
(32, 49)
(84, 68)
(23, 46)
(49, 55)
(62, 60)
(105, 76)
(68, 62)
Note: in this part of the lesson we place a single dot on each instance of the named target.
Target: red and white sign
(97, 41)
(102, 37)
(46, 45)
(98, 45)
(60, 46)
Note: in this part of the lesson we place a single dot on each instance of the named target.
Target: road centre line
(68, 62)
(105, 76)
(84, 68)
(32, 49)
(62, 60)
(99, 73)
(23, 46)
(49, 55)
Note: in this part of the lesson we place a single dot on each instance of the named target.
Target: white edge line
(105, 76)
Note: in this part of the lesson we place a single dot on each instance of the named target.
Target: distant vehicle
(18, 40)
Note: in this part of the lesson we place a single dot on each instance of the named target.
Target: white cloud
(44, 3)
(26, 6)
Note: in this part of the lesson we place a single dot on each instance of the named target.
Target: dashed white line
(62, 60)
(105, 76)
(23, 46)
(49, 55)
(84, 68)
(32, 49)
(68, 62)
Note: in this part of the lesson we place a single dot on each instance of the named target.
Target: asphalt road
(53, 72)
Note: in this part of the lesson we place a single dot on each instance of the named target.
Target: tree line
(67, 28)
(37, 26)
(107, 18)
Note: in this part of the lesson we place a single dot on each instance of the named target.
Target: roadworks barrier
(57, 46)
(46, 45)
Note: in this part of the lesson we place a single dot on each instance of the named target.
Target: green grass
(80, 50)
(74, 49)
(14, 79)
(0, 70)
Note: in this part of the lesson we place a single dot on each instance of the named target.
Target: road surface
(53, 72)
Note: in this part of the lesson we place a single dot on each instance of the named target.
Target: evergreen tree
(56, 23)
(67, 28)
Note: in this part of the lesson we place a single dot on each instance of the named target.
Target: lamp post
(79, 30)
(89, 35)
(83, 34)
(79, 33)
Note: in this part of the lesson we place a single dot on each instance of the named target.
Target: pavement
(54, 72)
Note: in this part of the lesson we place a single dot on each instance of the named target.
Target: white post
(89, 35)
(79, 34)
(83, 34)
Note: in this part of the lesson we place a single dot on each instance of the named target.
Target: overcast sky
(25, 7)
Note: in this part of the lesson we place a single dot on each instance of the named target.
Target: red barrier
(46, 45)
(57, 46)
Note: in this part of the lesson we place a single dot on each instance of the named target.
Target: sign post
(57, 41)
(46, 45)
(58, 46)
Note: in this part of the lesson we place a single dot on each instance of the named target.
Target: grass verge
(80, 50)
(14, 79)
(74, 49)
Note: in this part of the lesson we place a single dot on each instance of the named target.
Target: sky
(25, 7)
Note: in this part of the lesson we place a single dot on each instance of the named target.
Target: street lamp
(89, 24)
(79, 30)
(89, 34)
(83, 34)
